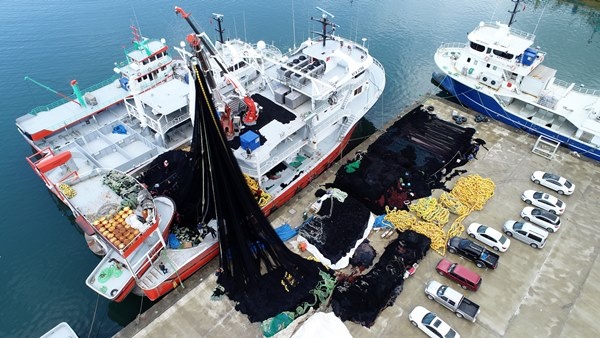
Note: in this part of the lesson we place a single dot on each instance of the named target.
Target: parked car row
(545, 216)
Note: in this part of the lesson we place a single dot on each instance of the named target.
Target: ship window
(358, 90)
(477, 47)
(502, 54)
(489, 50)
(164, 68)
(469, 60)
(487, 66)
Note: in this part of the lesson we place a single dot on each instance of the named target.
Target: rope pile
(261, 196)
(67, 190)
(430, 210)
(404, 220)
(470, 193)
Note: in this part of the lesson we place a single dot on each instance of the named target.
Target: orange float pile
(116, 230)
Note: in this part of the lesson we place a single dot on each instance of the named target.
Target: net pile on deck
(362, 299)
(407, 161)
(258, 271)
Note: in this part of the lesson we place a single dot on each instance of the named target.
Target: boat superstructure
(288, 116)
(500, 73)
(121, 123)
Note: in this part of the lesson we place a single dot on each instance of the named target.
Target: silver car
(526, 233)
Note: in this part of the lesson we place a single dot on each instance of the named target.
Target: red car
(466, 278)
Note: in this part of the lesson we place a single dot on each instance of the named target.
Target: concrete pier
(552, 292)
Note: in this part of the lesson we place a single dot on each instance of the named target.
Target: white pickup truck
(453, 300)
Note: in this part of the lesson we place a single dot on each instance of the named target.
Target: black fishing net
(337, 227)
(362, 299)
(409, 160)
(258, 271)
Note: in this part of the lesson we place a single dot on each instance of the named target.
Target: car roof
(466, 273)
(534, 229)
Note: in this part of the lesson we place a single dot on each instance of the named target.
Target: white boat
(500, 73)
(287, 117)
(133, 226)
(62, 330)
(121, 123)
(304, 106)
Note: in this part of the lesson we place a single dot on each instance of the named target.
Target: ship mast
(324, 22)
(514, 12)
(220, 30)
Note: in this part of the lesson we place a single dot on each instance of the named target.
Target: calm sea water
(43, 257)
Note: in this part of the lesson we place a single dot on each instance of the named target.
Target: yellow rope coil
(67, 190)
(430, 210)
(261, 196)
(473, 191)
(453, 204)
(404, 220)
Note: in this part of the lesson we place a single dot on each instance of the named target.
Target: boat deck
(65, 114)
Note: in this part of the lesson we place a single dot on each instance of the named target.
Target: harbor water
(44, 259)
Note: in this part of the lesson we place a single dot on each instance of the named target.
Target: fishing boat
(500, 73)
(288, 116)
(121, 123)
(133, 227)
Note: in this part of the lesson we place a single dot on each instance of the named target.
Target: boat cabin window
(477, 47)
(357, 90)
(469, 60)
(502, 54)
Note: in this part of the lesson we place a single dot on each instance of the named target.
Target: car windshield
(482, 229)
(537, 195)
(518, 226)
(559, 203)
(551, 176)
(568, 184)
(450, 334)
(503, 239)
(536, 212)
(428, 318)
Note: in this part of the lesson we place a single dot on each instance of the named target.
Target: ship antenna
(514, 12)
(294, 24)
(220, 30)
(324, 22)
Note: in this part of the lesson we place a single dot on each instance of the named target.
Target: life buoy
(113, 292)
(487, 58)
(159, 63)
(245, 53)
(513, 67)
(139, 74)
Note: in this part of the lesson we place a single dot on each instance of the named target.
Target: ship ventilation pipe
(78, 93)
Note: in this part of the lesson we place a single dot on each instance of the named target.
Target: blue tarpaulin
(119, 129)
(286, 232)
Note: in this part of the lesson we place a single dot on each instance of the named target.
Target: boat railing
(452, 45)
(580, 89)
(513, 31)
(72, 97)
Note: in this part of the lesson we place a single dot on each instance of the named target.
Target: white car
(555, 182)
(431, 324)
(544, 201)
(489, 236)
(543, 218)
